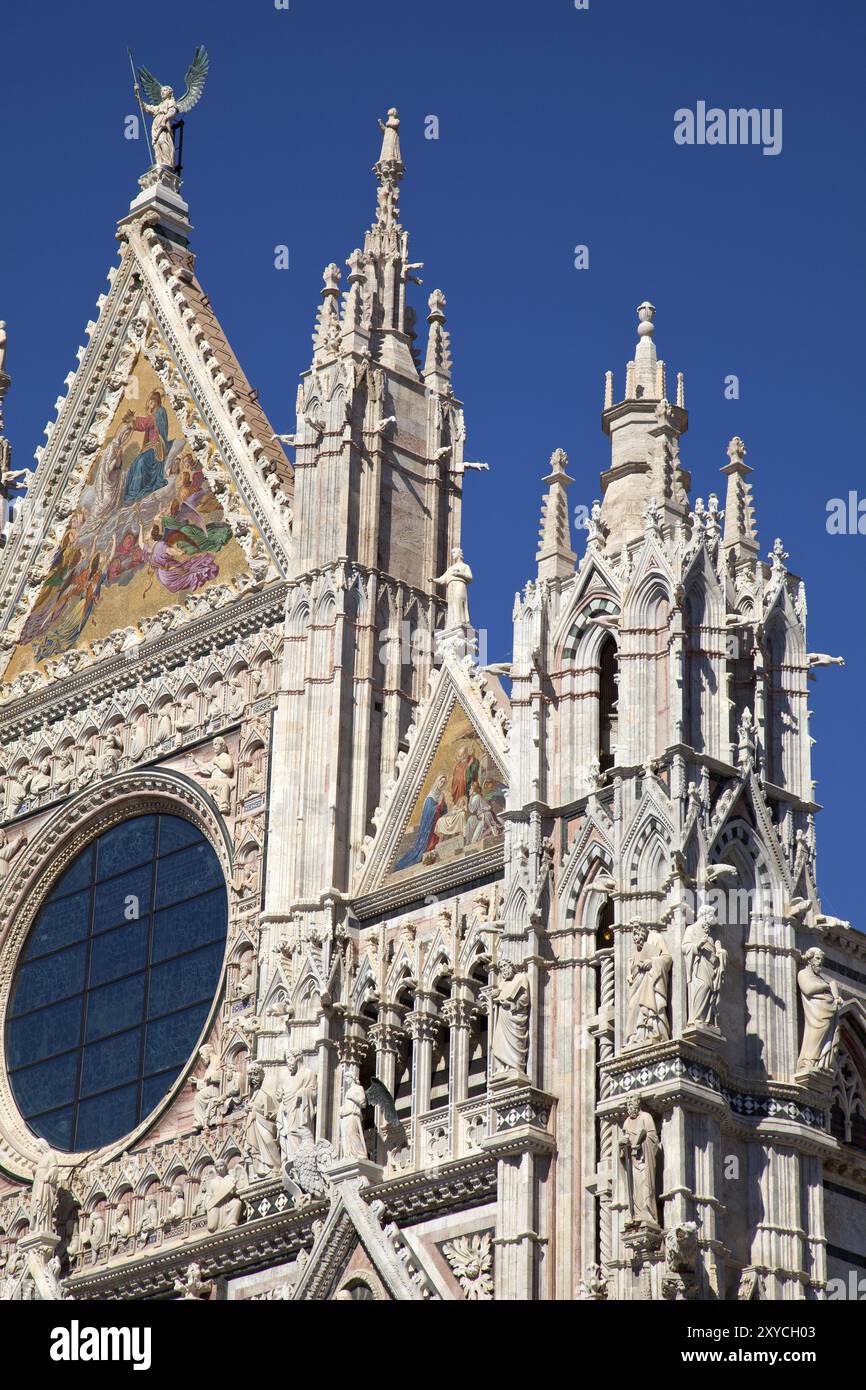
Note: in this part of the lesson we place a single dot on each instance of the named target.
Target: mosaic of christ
(147, 528)
(458, 808)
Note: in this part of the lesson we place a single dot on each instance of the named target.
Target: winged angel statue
(163, 105)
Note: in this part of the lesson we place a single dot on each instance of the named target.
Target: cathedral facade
(335, 964)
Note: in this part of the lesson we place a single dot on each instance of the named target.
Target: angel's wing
(152, 88)
(378, 1094)
(195, 76)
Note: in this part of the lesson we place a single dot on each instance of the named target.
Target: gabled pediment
(151, 492)
(442, 814)
(355, 1255)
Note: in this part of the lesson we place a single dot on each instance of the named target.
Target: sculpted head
(507, 970)
(640, 934)
(293, 1061)
(707, 918)
(166, 93)
(632, 1107)
(815, 958)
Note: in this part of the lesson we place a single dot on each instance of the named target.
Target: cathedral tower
(378, 490)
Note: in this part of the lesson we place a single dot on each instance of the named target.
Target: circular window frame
(33, 874)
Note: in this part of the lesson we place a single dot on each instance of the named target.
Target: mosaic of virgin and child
(146, 515)
(461, 811)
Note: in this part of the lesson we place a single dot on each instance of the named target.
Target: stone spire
(5, 379)
(326, 338)
(644, 429)
(555, 557)
(647, 373)
(740, 526)
(386, 260)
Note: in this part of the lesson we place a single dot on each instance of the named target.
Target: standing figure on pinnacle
(165, 108)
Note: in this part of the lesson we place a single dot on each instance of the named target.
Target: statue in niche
(648, 980)
(260, 1142)
(705, 960)
(297, 1104)
(221, 1201)
(40, 781)
(149, 1220)
(138, 742)
(511, 999)
(207, 1100)
(164, 724)
(246, 985)
(822, 1004)
(639, 1150)
(352, 1141)
(123, 1225)
(176, 1207)
(220, 774)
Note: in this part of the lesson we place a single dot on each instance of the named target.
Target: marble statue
(221, 775)
(456, 579)
(164, 107)
(297, 1103)
(821, 1006)
(260, 1133)
(639, 1148)
(8, 850)
(221, 1201)
(648, 980)
(149, 1220)
(177, 1205)
(43, 1194)
(705, 961)
(511, 998)
(390, 129)
(208, 1088)
(352, 1141)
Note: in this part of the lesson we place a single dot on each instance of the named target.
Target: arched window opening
(608, 671)
(440, 1073)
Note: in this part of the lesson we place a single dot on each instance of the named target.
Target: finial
(736, 450)
(326, 338)
(740, 524)
(555, 557)
(438, 359)
(436, 304)
(646, 313)
(778, 555)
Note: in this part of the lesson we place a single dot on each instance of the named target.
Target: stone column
(423, 1025)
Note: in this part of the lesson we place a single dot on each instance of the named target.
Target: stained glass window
(116, 979)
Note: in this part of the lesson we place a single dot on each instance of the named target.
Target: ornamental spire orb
(646, 312)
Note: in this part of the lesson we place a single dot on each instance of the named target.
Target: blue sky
(555, 129)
